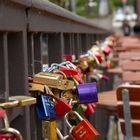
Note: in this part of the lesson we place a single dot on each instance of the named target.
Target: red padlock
(73, 72)
(68, 71)
(8, 133)
(61, 106)
(83, 130)
(107, 50)
(7, 136)
(90, 109)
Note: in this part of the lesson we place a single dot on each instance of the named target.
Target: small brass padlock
(49, 129)
(68, 95)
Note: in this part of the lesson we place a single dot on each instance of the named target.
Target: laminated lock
(83, 130)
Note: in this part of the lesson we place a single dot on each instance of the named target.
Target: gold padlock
(68, 95)
(24, 100)
(49, 129)
(53, 80)
(47, 78)
(36, 87)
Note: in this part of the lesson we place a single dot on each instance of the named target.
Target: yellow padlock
(49, 129)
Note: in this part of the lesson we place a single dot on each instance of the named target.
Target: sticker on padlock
(8, 133)
(49, 129)
(87, 93)
(83, 130)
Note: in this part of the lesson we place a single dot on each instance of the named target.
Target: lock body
(49, 129)
(53, 80)
(87, 93)
(45, 107)
(84, 130)
(7, 136)
(8, 133)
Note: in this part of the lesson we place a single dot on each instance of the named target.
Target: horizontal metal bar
(47, 6)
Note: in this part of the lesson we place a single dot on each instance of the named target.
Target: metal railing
(26, 28)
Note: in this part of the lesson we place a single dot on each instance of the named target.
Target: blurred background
(109, 14)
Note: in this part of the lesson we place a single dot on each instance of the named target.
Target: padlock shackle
(46, 90)
(74, 112)
(12, 131)
(60, 135)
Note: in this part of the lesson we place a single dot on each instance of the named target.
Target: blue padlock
(45, 107)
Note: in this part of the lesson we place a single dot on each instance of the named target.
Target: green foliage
(118, 3)
(83, 10)
(81, 7)
(59, 2)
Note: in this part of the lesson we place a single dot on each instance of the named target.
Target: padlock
(9, 104)
(49, 129)
(47, 78)
(68, 57)
(8, 133)
(34, 87)
(87, 93)
(90, 109)
(83, 130)
(61, 106)
(45, 107)
(69, 71)
(107, 50)
(24, 100)
(78, 108)
(68, 95)
(53, 80)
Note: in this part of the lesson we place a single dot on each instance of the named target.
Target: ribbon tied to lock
(87, 93)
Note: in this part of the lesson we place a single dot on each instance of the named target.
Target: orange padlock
(83, 130)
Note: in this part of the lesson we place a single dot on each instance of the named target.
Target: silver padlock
(7, 128)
